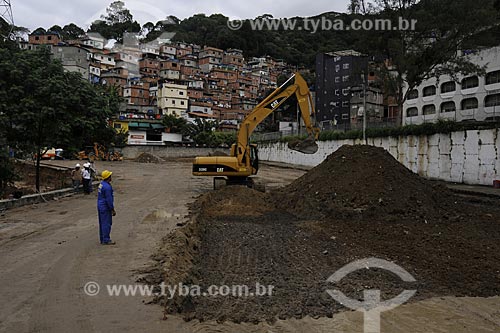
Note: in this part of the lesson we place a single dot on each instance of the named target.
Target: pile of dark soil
(364, 181)
(149, 158)
(360, 203)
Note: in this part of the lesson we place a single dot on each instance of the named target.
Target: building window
(345, 66)
(470, 82)
(345, 116)
(182, 102)
(412, 112)
(49, 37)
(117, 126)
(337, 79)
(345, 104)
(337, 92)
(493, 77)
(492, 100)
(181, 93)
(345, 78)
(429, 109)
(37, 38)
(469, 103)
(345, 92)
(337, 68)
(429, 91)
(413, 94)
(448, 87)
(448, 107)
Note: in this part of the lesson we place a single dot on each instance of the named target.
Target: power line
(7, 16)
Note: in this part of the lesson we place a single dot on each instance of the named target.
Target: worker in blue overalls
(105, 208)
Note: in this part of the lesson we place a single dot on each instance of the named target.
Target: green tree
(432, 49)
(174, 124)
(7, 172)
(39, 30)
(56, 28)
(72, 31)
(117, 21)
(43, 106)
(201, 131)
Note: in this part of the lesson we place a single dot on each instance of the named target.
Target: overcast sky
(46, 13)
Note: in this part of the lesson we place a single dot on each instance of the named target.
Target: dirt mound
(235, 200)
(296, 256)
(359, 203)
(363, 180)
(149, 158)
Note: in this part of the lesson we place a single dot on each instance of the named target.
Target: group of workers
(105, 197)
(83, 176)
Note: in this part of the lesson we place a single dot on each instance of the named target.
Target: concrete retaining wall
(132, 152)
(34, 198)
(37, 198)
(470, 157)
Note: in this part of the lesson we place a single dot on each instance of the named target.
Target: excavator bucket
(306, 146)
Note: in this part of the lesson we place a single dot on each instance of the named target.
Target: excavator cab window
(254, 158)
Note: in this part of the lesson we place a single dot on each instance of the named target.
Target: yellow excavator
(243, 160)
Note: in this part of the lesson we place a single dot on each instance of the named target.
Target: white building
(473, 98)
(94, 40)
(173, 100)
(106, 59)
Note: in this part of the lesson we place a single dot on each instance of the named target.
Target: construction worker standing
(76, 177)
(87, 181)
(105, 208)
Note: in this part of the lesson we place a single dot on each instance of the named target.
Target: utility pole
(364, 109)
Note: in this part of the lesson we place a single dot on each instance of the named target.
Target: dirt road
(50, 251)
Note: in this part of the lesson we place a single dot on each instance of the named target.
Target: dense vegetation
(43, 106)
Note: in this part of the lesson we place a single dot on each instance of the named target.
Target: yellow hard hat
(106, 174)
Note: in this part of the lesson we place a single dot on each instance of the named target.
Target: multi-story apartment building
(336, 74)
(74, 59)
(116, 77)
(149, 65)
(173, 99)
(374, 102)
(233, 59)
(106, 60)
(209, 58)
(472, 98)
(183, 50)
(170, 74)
(94, 40)
(137, 93)
(168, 50)
(189, 73)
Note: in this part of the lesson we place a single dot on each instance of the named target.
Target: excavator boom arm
(299, 89)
